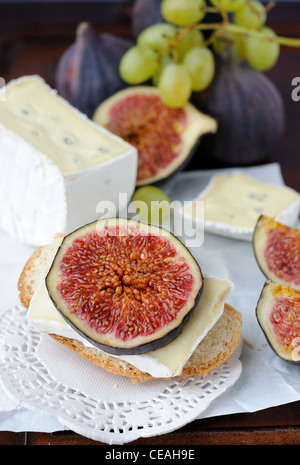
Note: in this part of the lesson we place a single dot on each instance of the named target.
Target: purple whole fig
(144, 14)
(249, 110)
(88, 71)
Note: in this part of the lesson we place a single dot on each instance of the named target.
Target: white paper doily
(50, 379)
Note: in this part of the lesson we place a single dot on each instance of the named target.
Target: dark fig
(278, 314)
(164, 137)
(144, 14)
(249, 110)
(88, 71)
(277, 251)
(125, 286)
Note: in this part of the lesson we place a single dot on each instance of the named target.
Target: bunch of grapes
(179, 60)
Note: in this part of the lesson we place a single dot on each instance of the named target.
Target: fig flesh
(277, 251)
(125, 286)
(278, 313)
(165, 138)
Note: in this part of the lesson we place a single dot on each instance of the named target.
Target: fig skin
(88, 71)
(269, 294)
(144, 14)
(249, 110)
(162, 336)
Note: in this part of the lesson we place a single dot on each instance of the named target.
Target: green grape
(200, 64)
(152, 204)
(251, 16)
(164, 61)
(261, 53)
(158, 36)
(239, 43)
(138, 64)
(230, 39)
(193, 38)
(228, 5)
(183, 12)
(175, 85)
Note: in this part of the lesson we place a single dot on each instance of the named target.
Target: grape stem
(290, 42)
(222, 28)
(225, 26)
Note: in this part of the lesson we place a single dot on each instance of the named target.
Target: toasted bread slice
(36, 268)
(213, 350)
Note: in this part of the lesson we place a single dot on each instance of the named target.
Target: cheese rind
(56, 164)
(32, 192)
(233, 203)
(167, 361)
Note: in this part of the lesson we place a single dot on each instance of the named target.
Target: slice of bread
(213, 350)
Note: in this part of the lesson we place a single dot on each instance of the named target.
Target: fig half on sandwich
(133, 292)
(126, 286)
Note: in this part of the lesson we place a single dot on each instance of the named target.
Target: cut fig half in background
(277, 251)
(165, 138)
(278, 313)
(125, 286)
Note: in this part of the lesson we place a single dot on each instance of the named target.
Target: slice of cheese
(164, 362)
(56, 164)
(233, 203)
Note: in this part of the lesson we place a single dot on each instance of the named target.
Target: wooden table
(32, 39)
(274, 426)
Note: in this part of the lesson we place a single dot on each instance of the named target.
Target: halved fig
(277, 250)
(278, 313)
(165, 138)
(125, 286)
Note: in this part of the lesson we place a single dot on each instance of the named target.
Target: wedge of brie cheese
(233, 203)
(56, 164)
(167, 361)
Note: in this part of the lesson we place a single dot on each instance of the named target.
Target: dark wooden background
(33, 35)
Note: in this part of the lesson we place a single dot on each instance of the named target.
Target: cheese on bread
(207, 340)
